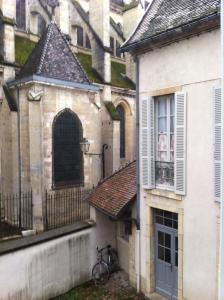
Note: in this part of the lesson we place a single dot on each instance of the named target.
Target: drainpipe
(221, 277)
(19, 155)
(138, 238)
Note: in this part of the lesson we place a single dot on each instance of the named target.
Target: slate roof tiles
(164, 15)
(115, 193)
(53, 58)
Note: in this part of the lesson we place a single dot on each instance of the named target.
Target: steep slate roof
(164, 15)
(53, 58)
(115, 193)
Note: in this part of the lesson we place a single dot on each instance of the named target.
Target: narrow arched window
(80, 37)
(121, 113)
(41, 24)
(67, 154)
(21, 14)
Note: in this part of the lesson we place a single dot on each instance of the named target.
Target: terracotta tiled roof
(116, 192)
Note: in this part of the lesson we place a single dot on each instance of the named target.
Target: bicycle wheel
(100, 273)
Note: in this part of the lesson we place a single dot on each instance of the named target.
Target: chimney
(99, 17)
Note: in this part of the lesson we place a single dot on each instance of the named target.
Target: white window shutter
(180, 143)
(217, 142)
(147, 143)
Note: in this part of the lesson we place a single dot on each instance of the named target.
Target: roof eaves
(174, 34)
(53, 81)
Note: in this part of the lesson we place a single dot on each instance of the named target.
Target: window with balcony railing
(164, 118)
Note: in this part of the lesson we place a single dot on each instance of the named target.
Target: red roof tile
(116, 192)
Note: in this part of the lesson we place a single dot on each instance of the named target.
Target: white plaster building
(177, 47)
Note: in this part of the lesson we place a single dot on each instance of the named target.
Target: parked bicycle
(107, 262)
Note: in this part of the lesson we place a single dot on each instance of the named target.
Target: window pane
(162, 142)
(171, 124)
(168, 240)
(168, 222)
(168, 214)
(159, 220)
(161, 238)
(162, 107)
(176, 259)
(88, 44)
(172, 106)
(176, 243)
(161, 252)
(80, 36)
(162, 124)
(167, 255)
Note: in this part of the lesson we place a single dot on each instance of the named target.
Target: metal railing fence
(65, 207)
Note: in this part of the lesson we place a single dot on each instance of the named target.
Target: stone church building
(64, 86)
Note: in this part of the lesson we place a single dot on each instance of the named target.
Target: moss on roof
(86, 62)
(118, 76)
(112, 111)
(23, 49)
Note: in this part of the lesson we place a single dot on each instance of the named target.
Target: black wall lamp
(85, 145)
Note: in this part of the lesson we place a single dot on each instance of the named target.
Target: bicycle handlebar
(100, 250)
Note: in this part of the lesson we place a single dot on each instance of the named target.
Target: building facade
(180, 108)
(103, 106)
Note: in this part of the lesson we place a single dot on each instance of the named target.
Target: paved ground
(117, 288)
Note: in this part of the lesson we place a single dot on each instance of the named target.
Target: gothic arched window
(121, 113)
(67, 154)
(21, 14)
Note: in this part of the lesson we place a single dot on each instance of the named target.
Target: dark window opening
(118, 53)
(21, 14)
(80, 38)
(121, 113)
(41, 24)
(88, 44)
(112, 45)
(68, 157)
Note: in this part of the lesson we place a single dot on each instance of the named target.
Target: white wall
(191, 65)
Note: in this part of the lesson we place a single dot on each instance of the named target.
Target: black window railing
(164, 173)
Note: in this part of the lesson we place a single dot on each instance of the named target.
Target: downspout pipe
(221, 252)
(19, 154)
(138, 239)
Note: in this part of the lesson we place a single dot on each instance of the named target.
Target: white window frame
(168, 132)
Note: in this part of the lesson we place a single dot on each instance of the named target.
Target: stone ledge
(14, 245)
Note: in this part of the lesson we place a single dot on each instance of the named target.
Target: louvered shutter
(147, 143)
(180, 143)
(217, 142)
